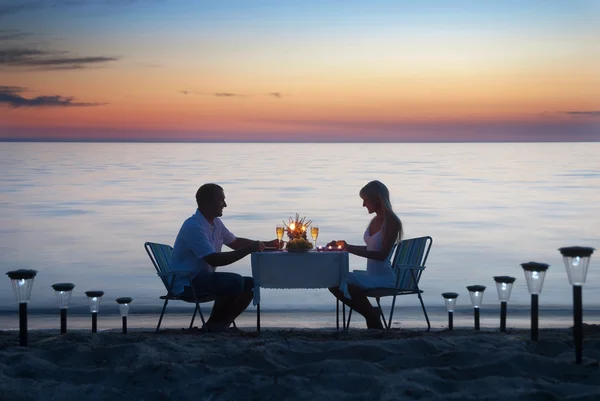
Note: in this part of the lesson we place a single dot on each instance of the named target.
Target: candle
(292, 226)
(339, 247)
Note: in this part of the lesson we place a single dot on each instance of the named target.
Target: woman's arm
(390, 238)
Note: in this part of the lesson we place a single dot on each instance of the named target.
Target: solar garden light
(476, 294)
(124, 309)
(63, 297)
(577, 260)
(504, 287)
(450, 300)
(94, 298)
(534, 274)
(22, 283)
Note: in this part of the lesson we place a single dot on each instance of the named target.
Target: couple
(197, 250)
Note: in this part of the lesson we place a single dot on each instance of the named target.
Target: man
(197, 249)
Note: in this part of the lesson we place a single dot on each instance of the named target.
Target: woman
(384, 230)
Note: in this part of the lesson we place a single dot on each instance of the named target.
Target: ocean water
(81, 212)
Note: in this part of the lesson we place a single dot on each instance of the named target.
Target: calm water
(80, 213)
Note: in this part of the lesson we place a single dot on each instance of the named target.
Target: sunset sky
(309, 70)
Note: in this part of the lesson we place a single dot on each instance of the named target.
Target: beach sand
(299, 365)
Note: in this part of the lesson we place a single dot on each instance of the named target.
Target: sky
(311, 70)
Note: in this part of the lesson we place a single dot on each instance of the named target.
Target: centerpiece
(296, 229)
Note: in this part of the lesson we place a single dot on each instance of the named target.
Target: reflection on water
(81, 212)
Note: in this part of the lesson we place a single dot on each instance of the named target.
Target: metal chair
(408, 264)
(160, 255)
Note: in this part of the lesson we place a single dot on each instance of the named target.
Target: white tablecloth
(299, 270)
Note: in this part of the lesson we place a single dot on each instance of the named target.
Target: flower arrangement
(297, 228)
(299, 243)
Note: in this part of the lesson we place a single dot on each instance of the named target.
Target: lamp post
(476, 294)
(577, 260)
(450, 300)
(534, 275)
(94, 298)
(22, 283)
(124, 309)
(63, 297)
(504, 287)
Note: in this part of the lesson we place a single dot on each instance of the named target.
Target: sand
(299, 365)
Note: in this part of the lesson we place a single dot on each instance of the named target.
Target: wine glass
(279, 230)
(314, 232)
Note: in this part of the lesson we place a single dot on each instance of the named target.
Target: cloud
(12, 34)
(65, 61)
(16, 6)
(227, 94)
(216, 94)
(277, 95)
(592, 113)
(48, 60)
(11, 96)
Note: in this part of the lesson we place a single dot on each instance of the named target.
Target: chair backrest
(412, 251)
(160, 255)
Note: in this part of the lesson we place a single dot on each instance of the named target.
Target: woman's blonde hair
(376, 191)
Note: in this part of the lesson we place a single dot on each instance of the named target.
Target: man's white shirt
(197, 239)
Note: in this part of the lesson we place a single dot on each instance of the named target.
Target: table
(312, 269)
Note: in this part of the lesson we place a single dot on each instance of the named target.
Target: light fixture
(577, 260)
(504, 287)
(124, 309)
(63, 297)
(22, 283)
(534, 275)
(476, 294)
(450, 300)
(94, 298)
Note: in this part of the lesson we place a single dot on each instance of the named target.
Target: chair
(408, 264)
(160, 255)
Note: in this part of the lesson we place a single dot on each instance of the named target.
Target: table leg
(344, 315)
(337, 315)
(257, 317)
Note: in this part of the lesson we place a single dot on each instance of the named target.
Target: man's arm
(226, 258)
(240, 243)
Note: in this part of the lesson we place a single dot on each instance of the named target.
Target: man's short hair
(207, 192)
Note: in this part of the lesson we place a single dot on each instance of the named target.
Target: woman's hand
(339, 243)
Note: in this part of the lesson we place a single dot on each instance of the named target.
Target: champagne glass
(314, 232)
(279, 230)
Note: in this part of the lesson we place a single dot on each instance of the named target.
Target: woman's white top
(379, 273)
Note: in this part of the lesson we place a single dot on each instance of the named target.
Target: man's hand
(257, 246)
(274, 244)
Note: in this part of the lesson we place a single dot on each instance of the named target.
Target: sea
(81, 213)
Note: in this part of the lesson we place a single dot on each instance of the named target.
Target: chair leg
(392, 312)
(161, 314)
(233, 323)
(385, 323)
(194, 315)
(424, 311)
(205, 327)
(349, 317)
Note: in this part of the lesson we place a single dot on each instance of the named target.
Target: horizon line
(70, 140)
